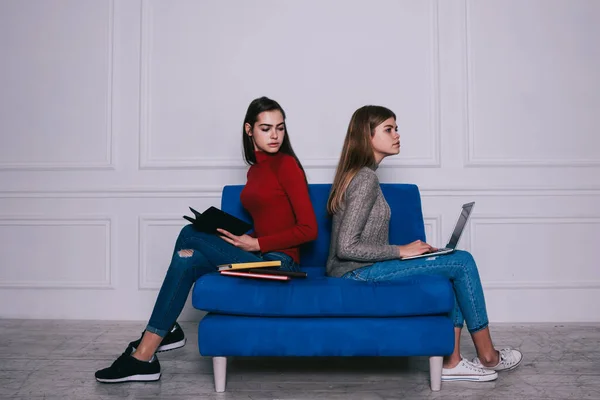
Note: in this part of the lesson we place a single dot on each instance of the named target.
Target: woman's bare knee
(185, 253)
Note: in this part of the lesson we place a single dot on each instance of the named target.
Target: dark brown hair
(256, 107)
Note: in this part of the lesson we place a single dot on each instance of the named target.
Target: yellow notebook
(249, 265)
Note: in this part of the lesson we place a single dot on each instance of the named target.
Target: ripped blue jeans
(459, 267)
(208, 251)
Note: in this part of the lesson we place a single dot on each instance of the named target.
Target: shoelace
(504, 355)
(469, 365)
(507, 355)
(472, 367)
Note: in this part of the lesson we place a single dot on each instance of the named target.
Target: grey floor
(57, 360)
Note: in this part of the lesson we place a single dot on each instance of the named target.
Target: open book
(213, 218)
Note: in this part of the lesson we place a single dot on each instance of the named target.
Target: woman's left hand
(244, 242)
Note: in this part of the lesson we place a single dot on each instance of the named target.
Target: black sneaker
(174, 339)
(129, 369)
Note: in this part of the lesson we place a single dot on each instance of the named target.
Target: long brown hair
(256, 107)
(357, 151)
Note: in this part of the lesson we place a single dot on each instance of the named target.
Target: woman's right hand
(415, 248)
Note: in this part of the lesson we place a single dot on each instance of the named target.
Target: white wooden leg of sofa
(435, 372)
(220, 373)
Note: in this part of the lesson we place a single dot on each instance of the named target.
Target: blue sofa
(325, 316)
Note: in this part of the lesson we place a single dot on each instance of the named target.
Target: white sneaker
(467, 371)
(509, 359)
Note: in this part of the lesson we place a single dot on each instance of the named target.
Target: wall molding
(106, 222)
(533, 220)
(148, 161)
(544, 285)
(435, 222)
(471, 159)
(107, 164)
(215, 192)
(152, 192)
(145, 221)
(433, 191)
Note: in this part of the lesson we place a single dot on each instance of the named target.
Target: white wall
(117, 115)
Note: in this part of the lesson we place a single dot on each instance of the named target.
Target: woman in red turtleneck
(275, 195)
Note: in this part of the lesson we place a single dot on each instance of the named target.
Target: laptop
(455, 237)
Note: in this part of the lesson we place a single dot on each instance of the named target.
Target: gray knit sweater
(359, 235)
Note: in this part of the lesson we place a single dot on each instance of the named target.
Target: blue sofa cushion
(223, 335)
(327, 297)
(323, 297)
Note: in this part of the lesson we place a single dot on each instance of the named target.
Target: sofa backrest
(406, 224)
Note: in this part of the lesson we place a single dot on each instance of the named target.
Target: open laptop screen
(460, 225)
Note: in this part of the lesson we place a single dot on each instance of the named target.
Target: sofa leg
(435, 372)
(220, 373)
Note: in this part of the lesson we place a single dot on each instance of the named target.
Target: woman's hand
(415, 248)
(244, 242)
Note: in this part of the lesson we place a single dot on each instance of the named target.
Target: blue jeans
(208, 252)
(459, 267)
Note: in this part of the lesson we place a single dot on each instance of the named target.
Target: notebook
(249, 265)
(291, 274)
(255, 275)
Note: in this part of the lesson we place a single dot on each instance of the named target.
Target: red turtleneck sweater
(276, 196)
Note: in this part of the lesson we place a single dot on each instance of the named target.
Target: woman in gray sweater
(360, 247)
